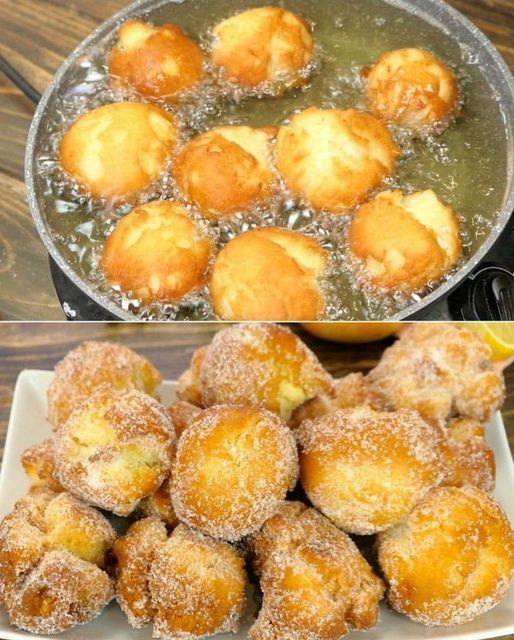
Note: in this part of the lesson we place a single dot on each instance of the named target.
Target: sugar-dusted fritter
(349, 391)
(331, 159)
(262, 365)
(471, 459)
(115, 449)
(451, 559)
(182, 414)
(189, 388)
(412, 88)
(119, 149)
(158, 504)
(227, 169)
(91, 365)
(197, 586)
(405, 241)
(365, 469)
(265, 47)
(439, 370)
(270, 274)
(315, 583)
(39, 464)
(157, 61)
(52, 551)
(233, 467)
(157, 252)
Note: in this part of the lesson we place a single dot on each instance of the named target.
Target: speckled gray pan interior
(490, 63)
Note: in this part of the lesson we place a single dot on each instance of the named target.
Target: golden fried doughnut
(159, 504)
(158, 62)
(39, 465)
(234, 465)
(91, 365)
(365, 470)
(182, 413)
(115, 449)
(157, 253)
(264, 45)
(451, 560)
(438, 370)
(315, 582)
(262, 365)
(471, 459)
(49, 544)
(412, 88)
(134, 553)
(117, 150)
(349, 391)
(226, 170)
(332, 158)
(189, 386)
(405, 241)
(61, 592)
(269, 274)
(197, 586)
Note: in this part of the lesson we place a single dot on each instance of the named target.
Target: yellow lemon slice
(353, 332)
(498, 335)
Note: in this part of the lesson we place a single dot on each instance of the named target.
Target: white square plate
(28, 426)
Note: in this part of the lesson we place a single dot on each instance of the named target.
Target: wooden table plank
(36, 36)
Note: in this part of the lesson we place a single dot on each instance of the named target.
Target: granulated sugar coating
(234, 465)
(39, 464)
(451, 560)
(438, 370)
(50, 545)
(197, 586)
(316, 584)
(90, 365)
(115, 449)
(263, 365)
(365, 470)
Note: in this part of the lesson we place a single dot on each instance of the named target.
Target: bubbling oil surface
(465, 165)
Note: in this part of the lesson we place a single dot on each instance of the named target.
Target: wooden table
(169, 347)
(36, 35)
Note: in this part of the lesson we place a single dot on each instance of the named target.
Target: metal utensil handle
(17, 79)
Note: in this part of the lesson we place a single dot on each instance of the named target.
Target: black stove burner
(486, 294)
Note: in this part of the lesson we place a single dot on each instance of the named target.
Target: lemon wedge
(498, 335)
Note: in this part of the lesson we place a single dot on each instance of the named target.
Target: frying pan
(489, 62)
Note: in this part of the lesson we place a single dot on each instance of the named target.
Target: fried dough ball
(405, 241)
(115, 449)
(38, 462)
(182, 414)
(135, 553)
(438, 370)
(227, 169)
(62, 592)
(189, 388)
(365, 470)
(52, 550)
(119, 149)
(91, 365)
(349, 391)
(234, 465)
(158, 62)
(269, 274)
(264, 45)
(471, 459)
(197, 585)
(262, 365)
(159, 504)
(412, 88)
(451, 560)
(332, 158)
(315, 582)
(157, 253)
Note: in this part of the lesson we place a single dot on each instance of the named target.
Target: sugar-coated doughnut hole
(158, 62)
(269, 274)
(157, 253)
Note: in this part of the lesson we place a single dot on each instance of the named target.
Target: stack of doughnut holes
(332, 160)
(327, 494)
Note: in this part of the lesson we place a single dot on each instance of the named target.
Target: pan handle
(19, 81)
